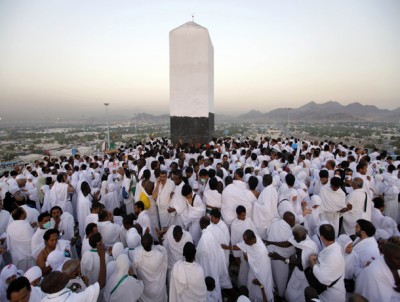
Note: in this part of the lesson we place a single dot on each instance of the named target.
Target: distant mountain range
(329, 111)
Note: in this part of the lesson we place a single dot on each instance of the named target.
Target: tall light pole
(135, 117)
(83, 123)
(108, 128)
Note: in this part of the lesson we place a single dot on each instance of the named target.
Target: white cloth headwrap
(117, 249)
(110, 187)
(7, 272)
(56, 260)
(121, 269)
(33, 273)
(315, 200)
(132, 238)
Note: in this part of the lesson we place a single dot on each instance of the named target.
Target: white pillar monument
(191, 57)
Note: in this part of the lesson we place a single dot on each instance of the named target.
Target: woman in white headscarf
(8, 274)
(390, 226)
(301, 179)
(103, 191)
(391, 195)
(311, 221)
(117, 249)
(121, 286)
(132, 241)
(111, 200)
(276, 181)
(351, 259)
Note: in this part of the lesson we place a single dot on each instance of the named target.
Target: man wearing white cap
(34, 275)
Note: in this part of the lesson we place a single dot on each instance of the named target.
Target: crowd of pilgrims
(283, 220)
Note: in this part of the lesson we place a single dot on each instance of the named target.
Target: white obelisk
(191, 84)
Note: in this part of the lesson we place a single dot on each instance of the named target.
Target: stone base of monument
(192, 130)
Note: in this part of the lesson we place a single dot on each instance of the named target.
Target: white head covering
(117, 249)
(276, 180)
(121, 269)
(292, 193)
(302, 196)
(14, 189)
(315, 174)
(7, 272)
(381, 234)
(56, 260)
(301, 176)
(132, 238)
(344, 240)
(20, 176)
(379, 177)
(195, 185)
(315, 200)
(282, 176)
(110, 187)
(295, 170)
(302, 186)
(33, 273)
(103, 187)
(389, 225)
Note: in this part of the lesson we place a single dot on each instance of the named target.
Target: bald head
(299, 233)
(54, 282)
(358, 182)
(71, 266)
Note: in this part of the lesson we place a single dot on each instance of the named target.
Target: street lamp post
(108, 128)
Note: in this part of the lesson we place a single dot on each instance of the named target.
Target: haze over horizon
(58, 55)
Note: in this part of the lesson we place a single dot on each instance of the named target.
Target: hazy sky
(56, 56)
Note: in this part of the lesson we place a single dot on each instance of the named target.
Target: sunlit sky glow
(65, 57)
